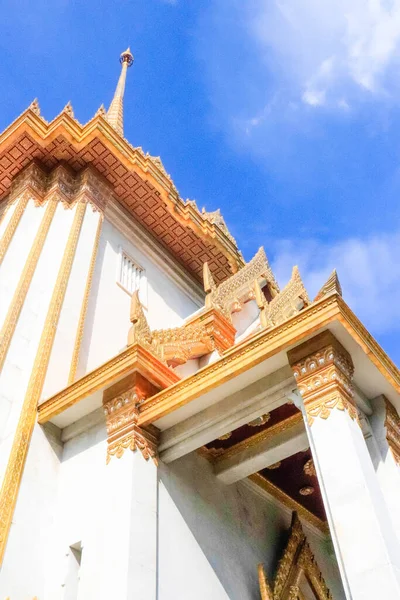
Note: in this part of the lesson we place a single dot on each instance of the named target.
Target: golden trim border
(289, 502)
(256, 439)
(25, 280)
(12, 225)
(23, 434)
(85, 302)
(105, 375)
(233, 362)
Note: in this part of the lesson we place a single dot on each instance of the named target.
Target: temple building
(173, 424)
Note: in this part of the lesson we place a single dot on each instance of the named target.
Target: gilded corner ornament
(324, 371)
(207, 332)
(122, 416)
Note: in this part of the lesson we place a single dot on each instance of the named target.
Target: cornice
(133, 159)
(233, 362)
(134, 357)
(239, 359)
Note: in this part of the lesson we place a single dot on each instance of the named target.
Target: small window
(130, 274)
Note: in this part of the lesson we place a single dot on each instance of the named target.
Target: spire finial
(116, 111)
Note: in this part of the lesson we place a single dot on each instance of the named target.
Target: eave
(153, 200)
(374, 371)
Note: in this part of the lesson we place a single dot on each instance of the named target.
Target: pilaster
(385, 426)
(131, 480)
(366, 546)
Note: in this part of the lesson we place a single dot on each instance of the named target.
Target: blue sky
(286, 115)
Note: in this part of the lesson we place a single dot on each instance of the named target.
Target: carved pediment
(207, 332)
(231, 293)
(298, 576)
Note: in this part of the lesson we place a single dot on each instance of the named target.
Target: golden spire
(116, 111)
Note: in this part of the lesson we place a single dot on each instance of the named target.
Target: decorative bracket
(323, 370)
(121, 409)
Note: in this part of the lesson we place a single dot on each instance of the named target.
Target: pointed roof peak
(68, 109)
(34, 107)
(115, 114)
(332, 285)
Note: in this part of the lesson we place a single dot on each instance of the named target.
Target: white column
(366, 546)
(130, 557)
(385, 425)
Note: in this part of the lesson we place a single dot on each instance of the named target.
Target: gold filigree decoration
(239, 288)
(12, 225)
(122, 415)
(216, 218)
(332, 286)
(17, 302)
(85, 303)
(307, 490)
(26, 423)
(392, 424)
(275, 465)
(290, 301)
(324, 370)
(172, 346)
(34, 107)
(259, 421)
(296, 565)
(68, 109)
(309, 468)
(69, 187)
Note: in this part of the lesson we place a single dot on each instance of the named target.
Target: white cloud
(331, 49)
(368, 269)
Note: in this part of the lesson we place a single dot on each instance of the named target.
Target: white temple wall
(213, 536)
(107, 322)
(17, 253)
(25, 341)
(64, 342)
(6, 211)
(28, 557)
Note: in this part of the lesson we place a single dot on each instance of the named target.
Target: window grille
(130, 274)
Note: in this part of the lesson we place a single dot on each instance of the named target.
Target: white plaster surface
(212, 536)
(386, 467)
(17, 253)
(29, 551)
(6, 213)
(17, 368)
(64, 342)
(107, 323)
(362, 532)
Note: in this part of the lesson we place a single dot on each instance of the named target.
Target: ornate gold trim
(19, 450)
(24, 283)
(289, 502)
(392, 424)
(68, 186)
(84, 307)
(323, 370)
(135, 357)
(261, 436)
(12, 225)
(237, 289)
(199, 336)
(297, 562)
(236, 360)
(122, 415)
